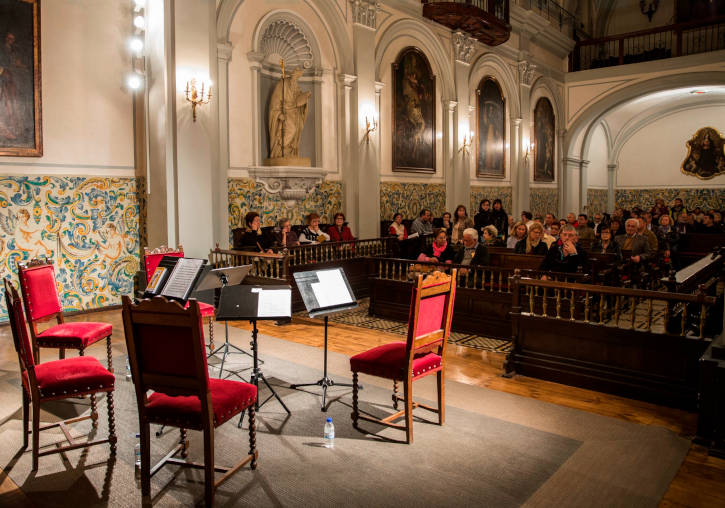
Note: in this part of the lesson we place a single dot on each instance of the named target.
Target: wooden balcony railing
(559, 17)
(485, 20)
(645, 45)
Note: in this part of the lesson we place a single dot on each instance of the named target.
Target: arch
(494, 65)
(429, 44)
(545, 87)
(304, 39)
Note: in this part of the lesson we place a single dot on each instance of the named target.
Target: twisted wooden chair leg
(395, 394)
(211, 334)
(109, 354)
(354, 414)
(252, 437)
(94, 411)
(111, 422)
(184, 441)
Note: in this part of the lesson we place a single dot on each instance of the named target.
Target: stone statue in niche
(705, 154)
(287, 115)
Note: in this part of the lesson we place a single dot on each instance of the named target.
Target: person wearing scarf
(532, 243)
(668, 238)
(439, 251)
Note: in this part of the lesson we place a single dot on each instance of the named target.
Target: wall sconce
(369, 129)
(529, 149)
(467, 144)
(196, 96)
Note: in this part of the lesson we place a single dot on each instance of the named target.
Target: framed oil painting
(544, 140)
(20, 104)
(705, 154)
(490, 129)
(414, 118)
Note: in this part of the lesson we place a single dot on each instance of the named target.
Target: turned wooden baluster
(649, 314)
(544, 304)
(531, 300)
(586, 306)
(683, 323)
(571, 305)
(558, 303)
(703, 315)
(634, 312)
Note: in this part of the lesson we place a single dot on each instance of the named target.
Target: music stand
(252, 303)
(218, 279)
(325, 292)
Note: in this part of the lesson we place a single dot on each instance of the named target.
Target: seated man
(707, 226)
(472, 253)
(649, 235)
(583, 230)
(423, 225)
(634, 242)
(564, 255)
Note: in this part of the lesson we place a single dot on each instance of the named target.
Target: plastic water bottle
(128, 370)
(329, 435)
(137, 454)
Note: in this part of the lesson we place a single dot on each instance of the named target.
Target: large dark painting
(20, 124)
(705, 154)
(414, 117)
(544, 139)
(490, 129)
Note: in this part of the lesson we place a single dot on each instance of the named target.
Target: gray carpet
(501, 450)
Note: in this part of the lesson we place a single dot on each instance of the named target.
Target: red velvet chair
(152, 258)
(423, 354)
(57, 380)
(166, 352)
(40, 295)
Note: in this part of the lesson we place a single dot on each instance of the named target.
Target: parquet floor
(700, 481)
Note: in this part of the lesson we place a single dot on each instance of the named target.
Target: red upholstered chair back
(152, 258)
(19, 330)
(431, 312)
(37, 282)
(165, 347)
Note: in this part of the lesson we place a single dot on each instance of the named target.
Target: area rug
(495, 449)
(360, 317)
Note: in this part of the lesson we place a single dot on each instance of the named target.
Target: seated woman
(339, 232)
(440, 250)
(606, 244)
(397, 228)
(518, 233)
(285, 237)
(447, 224)
(490, 234)
(253, 240)
(461, 222)
(312, 233)
(533, 243)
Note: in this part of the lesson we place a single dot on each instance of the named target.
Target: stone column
(220, 186)
(517, 164)
(345, 83)
(611, 184)
(449, 126)
(521, 184)
(258, 125)
(572, 185)
(458, 184)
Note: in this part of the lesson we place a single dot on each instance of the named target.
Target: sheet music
(274, 302)
(331, 290)
(182, 277)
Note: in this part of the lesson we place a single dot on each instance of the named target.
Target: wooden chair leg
(209, 466)
(36, 433)
(145, 463)
(184, 441)
(252, 438)
(211, 334)
(61, 353)
(109, 354)
(111, 422)
(441, 397)
(395, 394)
(408, 392)
(94, 411)
(354, 414)
(26, 417)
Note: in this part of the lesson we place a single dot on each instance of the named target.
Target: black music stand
(253, 303)
(325, 292)
(218, 279)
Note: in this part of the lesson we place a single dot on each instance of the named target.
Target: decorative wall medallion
(705, 154)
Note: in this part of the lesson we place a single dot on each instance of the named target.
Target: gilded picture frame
(20, 95)
(705, 154)
(544, 141)
(414, 113)
(490, 129)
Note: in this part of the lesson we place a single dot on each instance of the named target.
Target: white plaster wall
(653, 155)
(597, 157)
(87, 113)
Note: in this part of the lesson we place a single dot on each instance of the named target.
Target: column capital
(255, 59)
(463, 47)
(346, 80)
(517, 121)
(526, 72)
(379, 85)
(224, 51)
(365, 13)
(612, 167)
(449, 104)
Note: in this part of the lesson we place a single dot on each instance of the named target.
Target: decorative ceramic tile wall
(410, 198)
(88, 226)
(246, 195)
(645, 198)
(597, 201)
(479, 192)
(543, 201)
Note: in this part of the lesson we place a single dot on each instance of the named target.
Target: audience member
(684, 224)
(649, 224)
(461, 222)
(312, 233)
(549, 219)
(564, 255)
(439, 251)
(634, 242)
(554, 231)
(283, 235)
(423, 224)
(597, 224)
(667, 236)
(490, 235)
(649, 235)
(717, 221)
(708, 225)
(397, 228)
(473, 252)
(571, 219)
(518, 234)
(253, 239)
(500, 218)
(584, 219)
(616, 226)
(340, 232)
(658, 211)
(447, 223)
(533, 243)
(511, 226)
(527, 219)
(606, 244)
(484, 216)
(677, 208)
(584, 232)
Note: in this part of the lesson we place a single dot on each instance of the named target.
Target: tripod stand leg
(276, 395)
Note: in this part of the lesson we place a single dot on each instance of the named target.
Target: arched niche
(490, 129)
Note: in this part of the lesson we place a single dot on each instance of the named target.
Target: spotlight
(136, 45)
(140, 4)
(139, 22)
(134, 81)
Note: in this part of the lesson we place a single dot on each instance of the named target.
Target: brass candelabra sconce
(370, 127)
(197, 96)
(529, 149)
(467, 144)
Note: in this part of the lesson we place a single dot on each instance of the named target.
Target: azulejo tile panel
(480, 192)
(597, 201)
(89, 226)
(245, 195)
(410, 198)
(543, 201)
(692, 197)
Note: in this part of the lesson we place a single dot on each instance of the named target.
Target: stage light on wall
(136, 45)
(197, 96)
(134, 81)
(139, 22)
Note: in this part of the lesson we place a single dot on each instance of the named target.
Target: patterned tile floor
(359, 317)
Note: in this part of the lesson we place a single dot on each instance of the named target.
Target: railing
(335, 251)
(559, 17)
(487, 278)
(275, 266)
(645, 45)
(497, 8)
(652, 311)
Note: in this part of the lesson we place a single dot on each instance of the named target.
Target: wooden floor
(699, 482)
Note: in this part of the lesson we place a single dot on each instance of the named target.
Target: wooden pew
(588, 340)
(693, 246)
